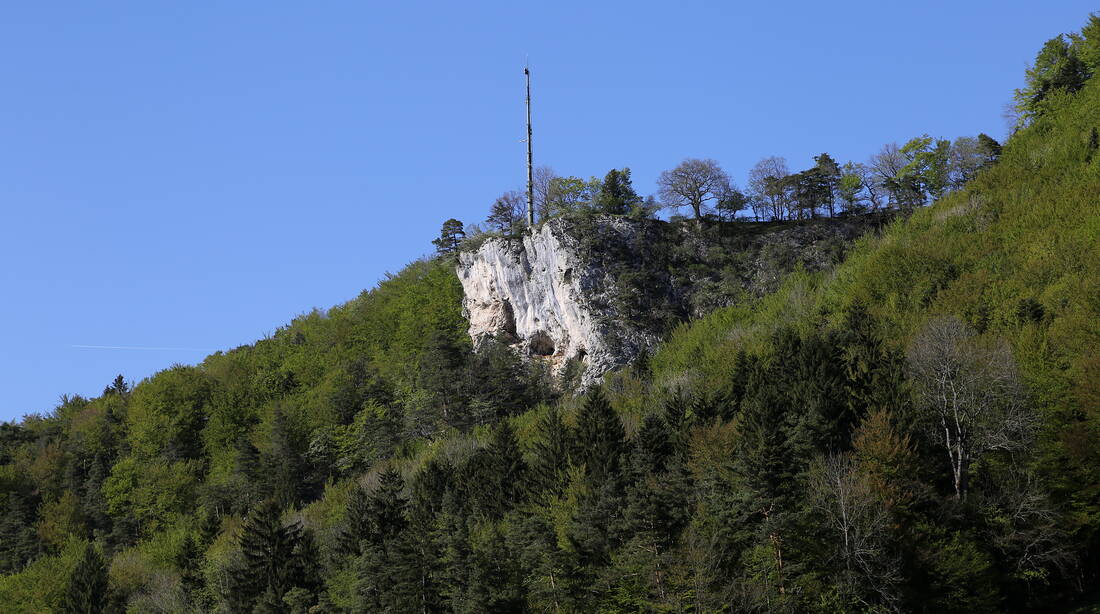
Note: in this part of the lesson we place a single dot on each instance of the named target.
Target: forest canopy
(917, 429)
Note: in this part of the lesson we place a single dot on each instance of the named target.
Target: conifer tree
(767, 461)
(189, 562)
(551, 456)
(508, 470)
(389, 568)
(86, 592)
(600, 437)
(656, 510)
(652, 447)
(356, 524)
(450, 236)
(386, 507)
(426, 550)
(267, 558)
(617, 195)
(284, 463)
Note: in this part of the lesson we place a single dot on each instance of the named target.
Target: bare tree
(886, 166)
(971, 393)
(543, 177)
(764, 181)
(858, 522)
(872, 185)
(1029, 532)
(694, 183)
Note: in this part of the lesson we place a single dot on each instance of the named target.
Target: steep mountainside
(908, 425)
(599, 290)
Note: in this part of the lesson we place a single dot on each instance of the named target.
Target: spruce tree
(652, 447)
(389, 568)
(356, 524)
(189, 562)
(284, 463)
(617, 195)
(551, 456)
(508, 470)
(267, 561)
(386, 507)
(86, 592)
(600, 437)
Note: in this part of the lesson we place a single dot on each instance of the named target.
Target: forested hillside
(916, 429)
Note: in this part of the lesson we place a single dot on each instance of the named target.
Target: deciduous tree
(970, 393)
(694, 183)
(506, 214)
(766, 188)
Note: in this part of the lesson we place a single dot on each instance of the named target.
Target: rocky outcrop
(596, 291)
(547, 300)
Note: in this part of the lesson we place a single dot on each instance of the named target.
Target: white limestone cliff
(537, 294)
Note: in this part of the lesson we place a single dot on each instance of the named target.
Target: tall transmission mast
(530, 168)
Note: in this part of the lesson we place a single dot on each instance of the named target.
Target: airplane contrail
(136, 347)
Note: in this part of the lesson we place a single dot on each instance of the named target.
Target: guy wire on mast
(530, 169)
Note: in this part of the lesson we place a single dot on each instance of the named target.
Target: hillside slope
(916, 429)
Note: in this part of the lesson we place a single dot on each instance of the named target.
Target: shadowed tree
(86, 592)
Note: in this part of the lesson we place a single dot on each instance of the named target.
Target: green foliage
(450, 237)
(41, 585)
(86, 591)
(616, 195)
(773, 455)
(570, 195)
(1058, 66)
(274, 559)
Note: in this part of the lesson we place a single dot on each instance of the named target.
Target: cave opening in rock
(541, 344)
(508, 326)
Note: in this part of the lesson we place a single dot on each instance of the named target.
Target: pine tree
(450, 236)
(86, 592)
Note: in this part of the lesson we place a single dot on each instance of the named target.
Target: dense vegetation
(916, 430)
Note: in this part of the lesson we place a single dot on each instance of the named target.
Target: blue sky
(194, 175)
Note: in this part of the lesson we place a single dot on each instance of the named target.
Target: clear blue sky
(194, 174)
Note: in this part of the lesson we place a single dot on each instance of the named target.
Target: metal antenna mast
(530, 170)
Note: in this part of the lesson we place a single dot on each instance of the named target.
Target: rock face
(547, 300)
(598, 290)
